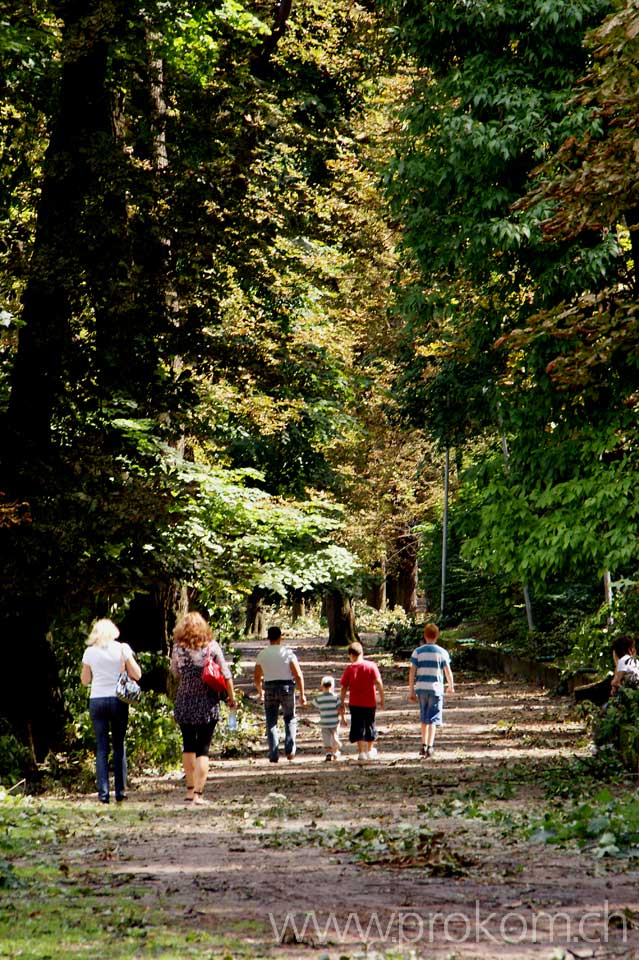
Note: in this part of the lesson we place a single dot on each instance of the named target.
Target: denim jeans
(109, 717)
(280, 694)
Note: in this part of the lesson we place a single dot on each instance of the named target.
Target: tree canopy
(261, 266)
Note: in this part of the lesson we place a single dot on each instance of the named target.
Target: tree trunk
(407, 547)
(33, 570)
(33, 704)
(298, 607)
(261, 63)
(255, 617)
(341, 622)
(442, 601)
(148, 626)
(376, 592)
(83, 121)
(391, 591)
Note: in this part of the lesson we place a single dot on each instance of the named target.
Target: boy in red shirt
(362, 681)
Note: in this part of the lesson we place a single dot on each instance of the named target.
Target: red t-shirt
(360, 679)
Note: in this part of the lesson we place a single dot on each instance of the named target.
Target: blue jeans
(109, 717)
(431, 707)
(280, 694)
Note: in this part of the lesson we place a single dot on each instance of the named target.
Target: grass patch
(60, 901)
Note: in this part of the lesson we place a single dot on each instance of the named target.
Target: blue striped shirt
(429, 659)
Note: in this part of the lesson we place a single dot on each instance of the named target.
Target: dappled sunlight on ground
(275, 855)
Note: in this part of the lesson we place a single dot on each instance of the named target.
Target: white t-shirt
(627, 664)
(275, 661)
(106, 666)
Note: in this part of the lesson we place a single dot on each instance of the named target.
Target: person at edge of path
(362, 682)
(102, 663)
(197, 706)
(328, 704)
(626, 664)
(277, 673)
(429, 667)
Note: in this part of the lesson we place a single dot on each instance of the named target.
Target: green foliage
(370, 620)
(550, 417)
(578, 777)
(199, 280)
(154, 741)
(217, 256)
(241, 741)
(618, 727)
(594, 637)
(401, 635)
(574, 509)
(473, 593)
(233, 537)
(15, 759)
(606, 826)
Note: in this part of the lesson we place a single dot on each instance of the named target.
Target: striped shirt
(429, 660)
(327, 704)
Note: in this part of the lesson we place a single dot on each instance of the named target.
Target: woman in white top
(626, 664)
(102, 663)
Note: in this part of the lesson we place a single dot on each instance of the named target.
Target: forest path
(272, 865)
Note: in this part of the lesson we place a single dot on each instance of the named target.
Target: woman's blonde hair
(102, 632)
(192, 631)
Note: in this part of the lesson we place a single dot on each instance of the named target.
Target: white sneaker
(362, 757)
(372, 753)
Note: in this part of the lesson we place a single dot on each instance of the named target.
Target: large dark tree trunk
(151, 617)
(79, 133)
(341, 621)
(391, 592)
(298, 606)
(261, 63)
(148, 626)
(402, 584)
(33, 568)
(376, 592)
(255, 625)
(32, 702)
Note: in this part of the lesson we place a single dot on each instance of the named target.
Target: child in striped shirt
(429, 668)
(328, 703)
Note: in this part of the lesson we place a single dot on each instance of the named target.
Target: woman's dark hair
(623, 645)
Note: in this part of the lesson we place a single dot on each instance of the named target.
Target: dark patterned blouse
(194, 701)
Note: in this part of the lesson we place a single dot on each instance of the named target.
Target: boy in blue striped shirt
(328, 704)
(429, 667)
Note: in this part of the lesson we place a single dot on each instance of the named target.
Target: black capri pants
(362, 724)
(196, 737)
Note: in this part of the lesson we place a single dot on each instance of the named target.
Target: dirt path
(455, 880)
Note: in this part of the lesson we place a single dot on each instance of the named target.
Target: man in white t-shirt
(277, 673)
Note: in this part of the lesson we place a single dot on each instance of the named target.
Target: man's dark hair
(273, 633)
